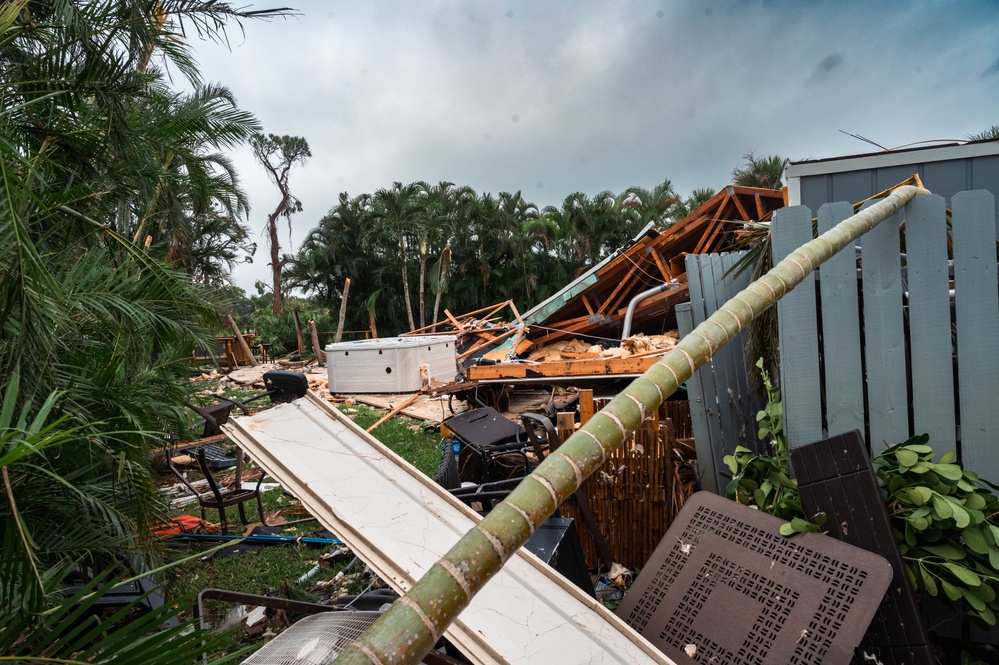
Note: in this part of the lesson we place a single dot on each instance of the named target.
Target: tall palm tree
(104, 325)
(398, 212)
(643, 206)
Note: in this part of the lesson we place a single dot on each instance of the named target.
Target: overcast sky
(553, 97)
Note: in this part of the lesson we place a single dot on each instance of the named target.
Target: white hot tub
(389, 365)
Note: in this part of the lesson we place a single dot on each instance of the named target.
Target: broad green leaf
(906, 457)
(942, 507)
(950, 590)
(920, 449)
(974, 501)
(961, 516)
(947, 457)
(973, 600)
(946, 551)
(984, 591)
(949, 471)
(969, 577)
(975, 540)
(929, 582)
(917, 494)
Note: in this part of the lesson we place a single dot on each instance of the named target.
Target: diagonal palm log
(409, 629)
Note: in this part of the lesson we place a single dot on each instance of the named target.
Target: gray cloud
(825, 68)
(607, 95)
(991, 69)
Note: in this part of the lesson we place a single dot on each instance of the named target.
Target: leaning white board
(400, 523)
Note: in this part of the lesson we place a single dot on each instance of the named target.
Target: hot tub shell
(389, 365)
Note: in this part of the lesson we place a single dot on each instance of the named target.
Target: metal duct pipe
(655, 290)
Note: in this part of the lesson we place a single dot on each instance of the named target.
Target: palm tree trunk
(409, 629)
(423, 281)
(442, 279)
(405, 282)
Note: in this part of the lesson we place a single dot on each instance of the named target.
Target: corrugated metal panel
(400, 523)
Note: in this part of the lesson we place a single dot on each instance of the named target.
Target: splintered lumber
(247, 353)
(561, 368)
(343, 312)
(316, 348)
(395, 411)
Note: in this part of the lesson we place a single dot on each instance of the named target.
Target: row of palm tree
(118, 207)
(406, 243)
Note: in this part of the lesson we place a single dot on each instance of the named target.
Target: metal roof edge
(891, 158)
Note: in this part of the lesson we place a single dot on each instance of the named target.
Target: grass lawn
(267, 568)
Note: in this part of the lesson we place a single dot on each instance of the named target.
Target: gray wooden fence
(877, 349)
(722, 408)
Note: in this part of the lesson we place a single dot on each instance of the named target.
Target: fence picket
(977, 315)
(932, 365)
(799, 337)
(844, 378)
(884, 336)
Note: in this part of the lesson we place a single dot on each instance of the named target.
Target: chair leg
(242, 513)
(222, 523)
(260, 508)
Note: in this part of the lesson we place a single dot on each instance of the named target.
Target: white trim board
(400, 523)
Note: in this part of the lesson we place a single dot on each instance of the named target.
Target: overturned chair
(281, 386)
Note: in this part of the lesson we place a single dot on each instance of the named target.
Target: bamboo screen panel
(640, 488)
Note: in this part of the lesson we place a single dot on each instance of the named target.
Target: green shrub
(945, 525)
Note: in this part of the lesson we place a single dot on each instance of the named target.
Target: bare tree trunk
(315, 344)
(275, 257)
(371, 323)
(343, 312)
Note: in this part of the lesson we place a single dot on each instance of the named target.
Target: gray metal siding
(945, 178)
